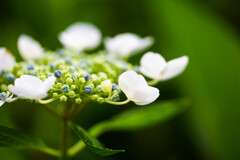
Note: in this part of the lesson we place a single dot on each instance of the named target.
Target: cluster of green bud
(79, 77)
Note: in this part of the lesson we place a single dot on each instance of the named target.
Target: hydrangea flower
(80, 37)
(7, 61)
(154, 66)
(31, 87)
(29, 48)
(136, 88)
(127, 44)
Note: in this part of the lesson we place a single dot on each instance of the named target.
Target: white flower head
(29, 48)
(127, 44)
(136, 88)
(154, 66)
(31, 87)
(6, 98)
(7, 61)
(81, 36)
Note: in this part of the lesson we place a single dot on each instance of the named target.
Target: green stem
(119, 103)
(51, 110)
(46, 101)
(153, 82)
(51, 151)
(64, 140)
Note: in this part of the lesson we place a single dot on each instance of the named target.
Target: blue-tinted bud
(115, 98)
(30, 67)
(10, 77)
(88, 89)
(60, 52)
(33, 72)
(87, 76)
(52, 65)
(65, 88)
(3, 95)
(58, 73)
(68, 60)
(114, 86)
(83, 64)
(74, 77)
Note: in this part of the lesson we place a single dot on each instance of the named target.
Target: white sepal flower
(81, 36)
(29, 48)
(7, 61)
(154, 66)
(31, 87)
(6, 99)
(127, 44)
(136, 88)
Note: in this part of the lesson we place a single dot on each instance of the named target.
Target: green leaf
(141, 117)
(11, 138)
(92, 143)
(17, 139)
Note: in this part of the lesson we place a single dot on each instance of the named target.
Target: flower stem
(119, 103)
(64, 139)
(153, 82)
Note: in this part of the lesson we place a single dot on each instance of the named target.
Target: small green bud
(68, 75)
(65, 88)
(82, 80)
(100, 100)
(63, 99)
(73, 87)
(71, 94)
(106, 86)
(69, 81)
(103, 78)
(91, 85)
(55, 95)
(4, 87)
(59, 85)
(115, 97)
(94, 97)
(78, 101)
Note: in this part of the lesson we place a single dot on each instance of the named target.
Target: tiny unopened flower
(31, 87)
(88, 89)
(136, 88)
(58, 73)
(4, 97)
(65, 88)
(154, 66)
(10, 77)
(106, 86)
(124, 45)
(7, 61)
(29, 48)
(87, 76)
(80, 37)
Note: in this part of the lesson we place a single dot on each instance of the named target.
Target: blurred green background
(205, 30)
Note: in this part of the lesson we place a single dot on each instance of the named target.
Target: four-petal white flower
(136, 88)
(154, 66)
(7, 61)
(31, 87)
(29, 48)
(6, 99)
(127, 44)
(81, 36)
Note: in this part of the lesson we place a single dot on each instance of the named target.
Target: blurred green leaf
(17, 139)
(212, 77)
(142, 117)
(12, 138)
(92, 143)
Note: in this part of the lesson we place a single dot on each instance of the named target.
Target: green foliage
(92, 143)
(142, 117)
(12, 138)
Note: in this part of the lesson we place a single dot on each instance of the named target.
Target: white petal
(7, 61)
(2, 102)
(29, 48)
(48, 83)
(126, 44)
(152, 64)
(153, 94)
(136, 88)
(81, 36)
(28, 87)
(174, 68)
